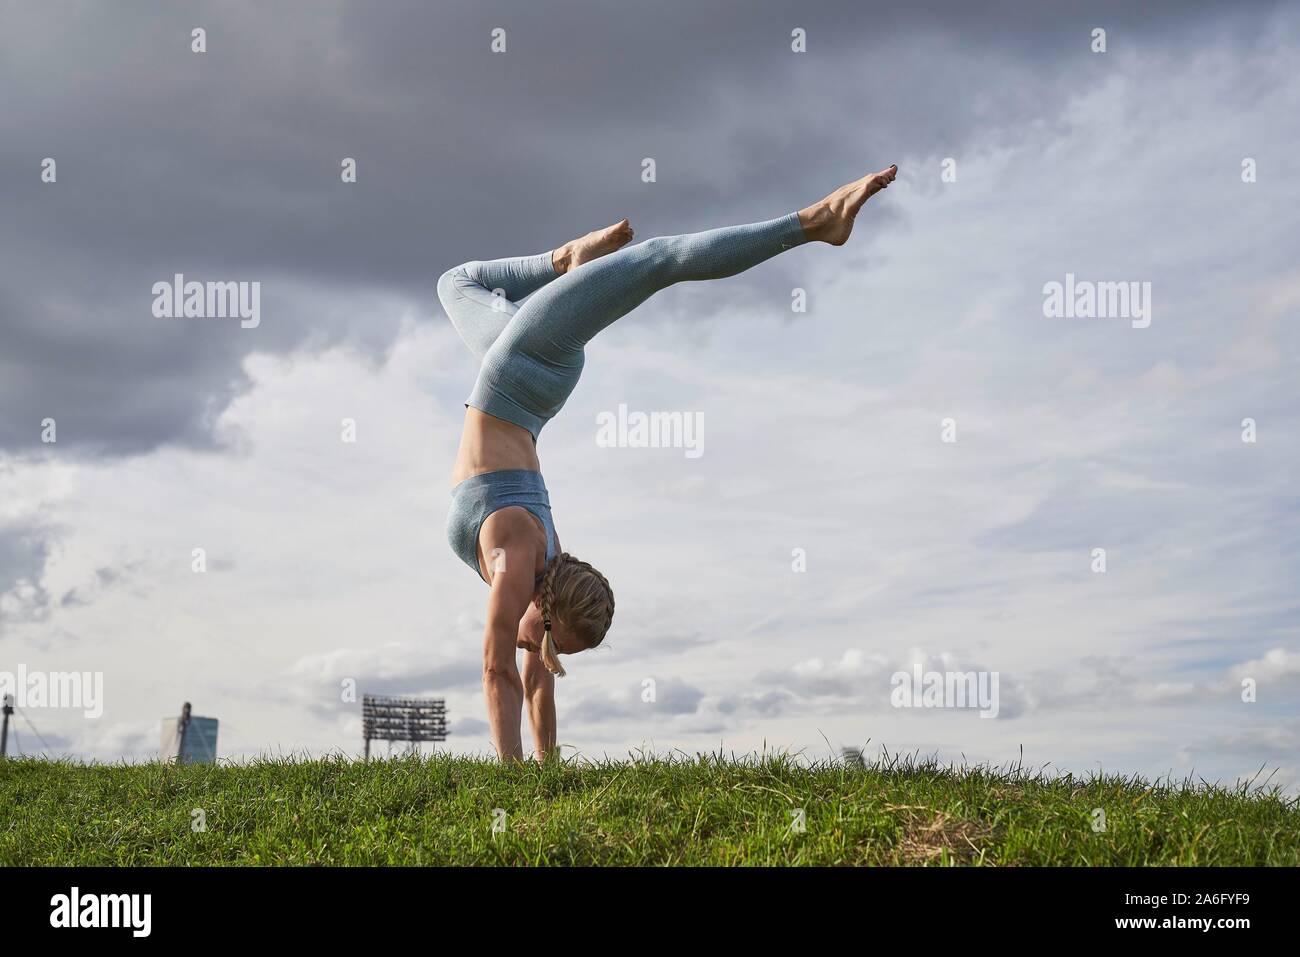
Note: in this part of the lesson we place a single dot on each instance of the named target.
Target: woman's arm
(512, 590)
(539, 690)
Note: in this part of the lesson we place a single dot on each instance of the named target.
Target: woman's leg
(481, 297)
(569, 312)
(535, 363)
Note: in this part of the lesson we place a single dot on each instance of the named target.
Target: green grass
(708, 810)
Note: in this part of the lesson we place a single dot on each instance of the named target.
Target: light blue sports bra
(474, 499)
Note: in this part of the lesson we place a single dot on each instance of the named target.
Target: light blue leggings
(532, 353)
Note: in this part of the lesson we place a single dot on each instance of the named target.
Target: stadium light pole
(389, 718)
(182, 726)
(8, 709)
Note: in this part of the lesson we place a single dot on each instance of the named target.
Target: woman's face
(532, 626)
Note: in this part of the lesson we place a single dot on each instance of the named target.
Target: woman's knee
(452, 283)
(663, 254)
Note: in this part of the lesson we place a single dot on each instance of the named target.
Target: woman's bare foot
(591, 246)
(831, 220)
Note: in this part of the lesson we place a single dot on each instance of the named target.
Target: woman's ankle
(562, 259)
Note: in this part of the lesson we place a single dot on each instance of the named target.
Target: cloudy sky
(326, 560)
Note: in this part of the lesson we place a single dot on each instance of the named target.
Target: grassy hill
(709, 810)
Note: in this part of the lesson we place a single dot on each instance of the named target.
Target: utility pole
(8, 709)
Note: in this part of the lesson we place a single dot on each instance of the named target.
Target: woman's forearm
(505, 700)
(541, 714)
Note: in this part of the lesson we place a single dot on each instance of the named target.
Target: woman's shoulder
(513, 535)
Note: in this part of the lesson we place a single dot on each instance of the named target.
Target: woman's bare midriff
(488, 444)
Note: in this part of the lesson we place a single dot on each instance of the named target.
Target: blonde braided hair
(574, 593)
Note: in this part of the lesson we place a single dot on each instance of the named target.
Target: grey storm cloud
(225, 165)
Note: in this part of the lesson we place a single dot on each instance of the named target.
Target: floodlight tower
(8, 709)
(388, 718)
(182, 725)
